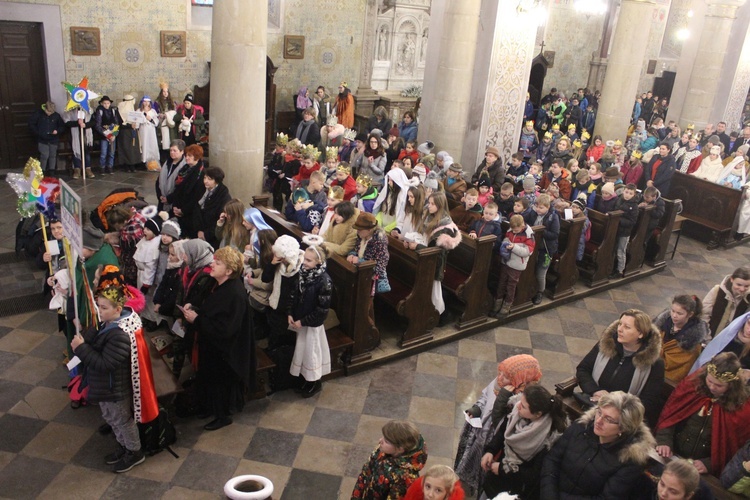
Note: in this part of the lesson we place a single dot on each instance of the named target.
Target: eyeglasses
(606, 418)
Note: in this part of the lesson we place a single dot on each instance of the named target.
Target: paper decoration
(80, 95)
(35, 192)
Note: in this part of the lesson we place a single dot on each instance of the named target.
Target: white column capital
(723, 8)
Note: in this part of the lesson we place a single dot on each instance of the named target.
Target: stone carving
(423, 50)
(382, 44)
(738, 95)
(406, 53)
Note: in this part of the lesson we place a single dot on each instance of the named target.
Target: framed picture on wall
(85, 41)
(173, 43)
(294, 47)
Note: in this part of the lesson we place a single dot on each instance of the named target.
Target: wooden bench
(598, 257)
(263, 368)
(708, 204)
(667, 225)
(466, 276)
(563, 271)
(411, 274)
(636, 253)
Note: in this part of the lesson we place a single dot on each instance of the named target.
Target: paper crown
(585, 135)
(282, 139)
(350, 134)
(365, 180)
(618, 143)
(691, 126)
(332, 153)
(722, 376)
(556, 126)
(343, 84)
(577, 143)
(572, 126)
(295, 145)
(548, 135)
(310, 151)
(529, 123)
(163, 85)
(332, 120)
(637, 154)
(345, 168)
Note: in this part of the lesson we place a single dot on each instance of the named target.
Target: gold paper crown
(365, 180)
(572, 126)
(163, 85)
(344, 167)
(350, 134)
(637, 154)
(548, 135)
(311, 151)
(585, 135)
(114, 295)
(556, 126)
(577, 143)
(332, 153)
(282, 139)
(295, 145)
(618, 142)
(332, 120)
(691, 126)
(343, 83)
(723, 376)
(529, 123)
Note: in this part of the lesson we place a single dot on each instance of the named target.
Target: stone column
(454, 27)
(238, 69)
(366, 96)
(709, 61)
(624, 68)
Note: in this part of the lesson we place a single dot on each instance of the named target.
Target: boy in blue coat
(490, 223)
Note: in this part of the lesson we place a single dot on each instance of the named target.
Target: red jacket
(563, 183)
(415, 491)
(349, 186)
(304, 174)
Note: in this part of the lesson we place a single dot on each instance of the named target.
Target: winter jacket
(528, 142)
(340, 238)
(680, 351)
(454, 190)
(349, 186)
(551, 223)
(43, 126)
(649, 143)
(213, 206)
(555, 154)
(482, 227)
(307, 218)
(629, 216)
(595, 152)
(374, 169)
(578, 466)
(606, 206)
(166, 292)
(512, 173)
(387, 477)
(585, 236)
(589, 189)
(496, 173)
(407, 132)
(619, 371)
(377, 250)
(632, 173)
(734, 477)
(105, 120)
(366, 202)
(105, 355)
(311, 306)
(385, 126)
(465, 218)
(656, 214)
(720, 307)
(563, 183)
(523, 247)
(188, 191)
(662, 178)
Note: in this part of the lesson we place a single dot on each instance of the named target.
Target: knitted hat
(419, 171)
(286, 247)
(714, 139)
(393, 131)
(365, 220)
(377, 133)
(154, 224)
(425, 147)
(715, 150)
(608, 190)
(171, 228)
(300, 195)
(93, 238)
(431, 181)
(492, 150)
(456, 167)
(580, 204)
(188, 97)
(743, 149)
(529, 182)
(484, 180)
(361, 137)
(520, 370)
(428, 161)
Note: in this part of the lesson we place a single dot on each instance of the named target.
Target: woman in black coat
(212, 204)
(188, 191)
(226, 351)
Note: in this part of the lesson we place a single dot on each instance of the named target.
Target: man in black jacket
(47, 125)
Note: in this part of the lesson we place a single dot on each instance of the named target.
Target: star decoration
(80, 95)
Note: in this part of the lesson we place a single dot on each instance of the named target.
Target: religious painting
(294, 47)
(549, 55)
(173, 43)
(85, 41)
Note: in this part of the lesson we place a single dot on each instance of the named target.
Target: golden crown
(618, 142)
(723, 376)
(577, 143)
(548, 135)
(332, 153)
(344, 168)
(556, 126)
(295, 145)
(350, 134)
(311, 151)
(637, 154)
(691, 126)
(585, 135)
(529, 123)
(114, 295)
(282, 139)
(365, 180)
(572, 126)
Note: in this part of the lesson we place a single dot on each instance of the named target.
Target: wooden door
(23, 88)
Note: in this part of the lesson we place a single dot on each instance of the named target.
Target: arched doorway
(539, 68)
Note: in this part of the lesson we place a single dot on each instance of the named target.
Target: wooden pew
(598, 258)
(665, 228)
(466, 276)
(563, 271)
(636, 252)
(357, 334)
(411, 274)
(708, 204)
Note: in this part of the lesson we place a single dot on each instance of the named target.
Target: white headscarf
(399, 178)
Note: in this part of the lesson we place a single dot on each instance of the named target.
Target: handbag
(382, 285)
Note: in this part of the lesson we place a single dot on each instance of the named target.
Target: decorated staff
(79, 96)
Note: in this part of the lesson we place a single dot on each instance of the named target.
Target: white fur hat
(286, 247)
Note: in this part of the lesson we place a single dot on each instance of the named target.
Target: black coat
(43, 126)
(311, 306)
(385, 126)
(664, 173)
(313, 134)
(209, 214)
(188, 191)
(166, 293)
(225, 331)
(551, 235)
(629, 216)
(105, 355)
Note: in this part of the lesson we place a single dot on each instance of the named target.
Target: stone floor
(310, 448)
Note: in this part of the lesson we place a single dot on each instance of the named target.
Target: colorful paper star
(80, 95)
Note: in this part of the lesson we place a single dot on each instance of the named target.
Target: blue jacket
(408, 132)
(483, 228)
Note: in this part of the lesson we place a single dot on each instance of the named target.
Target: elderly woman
(727, 300)
(602, 454)
(188, 191)
(705, 418)
(513, 375)
(224, 335)
(626, 358)
(212, 204)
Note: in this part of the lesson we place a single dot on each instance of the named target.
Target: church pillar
(454, 26)
(238, 71)
(709, 61)
(366, 96)
(624, 68)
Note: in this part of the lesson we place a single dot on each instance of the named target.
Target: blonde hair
(445, 473)
(401, 434)
(320, 252)
(543, 200)
(232, 258)
(516, 221)
(317, 176)
(235, 233)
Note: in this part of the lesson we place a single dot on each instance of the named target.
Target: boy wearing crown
(366, 195)
(309, 165)
(333, 132)
(328, 169)
(572, 134)
(345, 180)
(347, 145)
(529, 140)
(545, 148)
(275, 170)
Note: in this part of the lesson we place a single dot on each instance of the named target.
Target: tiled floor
(309, 448)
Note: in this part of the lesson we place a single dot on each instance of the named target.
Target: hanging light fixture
(589, 7)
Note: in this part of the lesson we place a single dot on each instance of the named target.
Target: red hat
(394, 132)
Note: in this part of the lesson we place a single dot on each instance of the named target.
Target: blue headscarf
(254, 217)
(719, 342)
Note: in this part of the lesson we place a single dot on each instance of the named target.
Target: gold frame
(294, 47)
(168, 48)
(77, 45)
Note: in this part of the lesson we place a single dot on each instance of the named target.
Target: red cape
(729, 429)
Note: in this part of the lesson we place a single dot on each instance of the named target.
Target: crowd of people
(211, 269)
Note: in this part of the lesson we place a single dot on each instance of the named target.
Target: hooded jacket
(563, 183)
(629, 216)
(619, 370)
(482, 227)
(341, 238)
(720, 306)
(523, 247)
(387, 476)
(579, 466)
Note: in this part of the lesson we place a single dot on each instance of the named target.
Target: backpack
(158, 435)
(29, 236)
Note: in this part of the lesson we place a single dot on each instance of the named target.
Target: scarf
(524, 439)
(637, 383)
(687, 157)
(168, 175)
(198, 254)
(206, 195)
(303, 129)
(75, 135)
(308, 276)
(286, 270)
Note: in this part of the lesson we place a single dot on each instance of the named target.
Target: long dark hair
(377, 152)
(266, 238)
(541, 400)
(737, 393)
